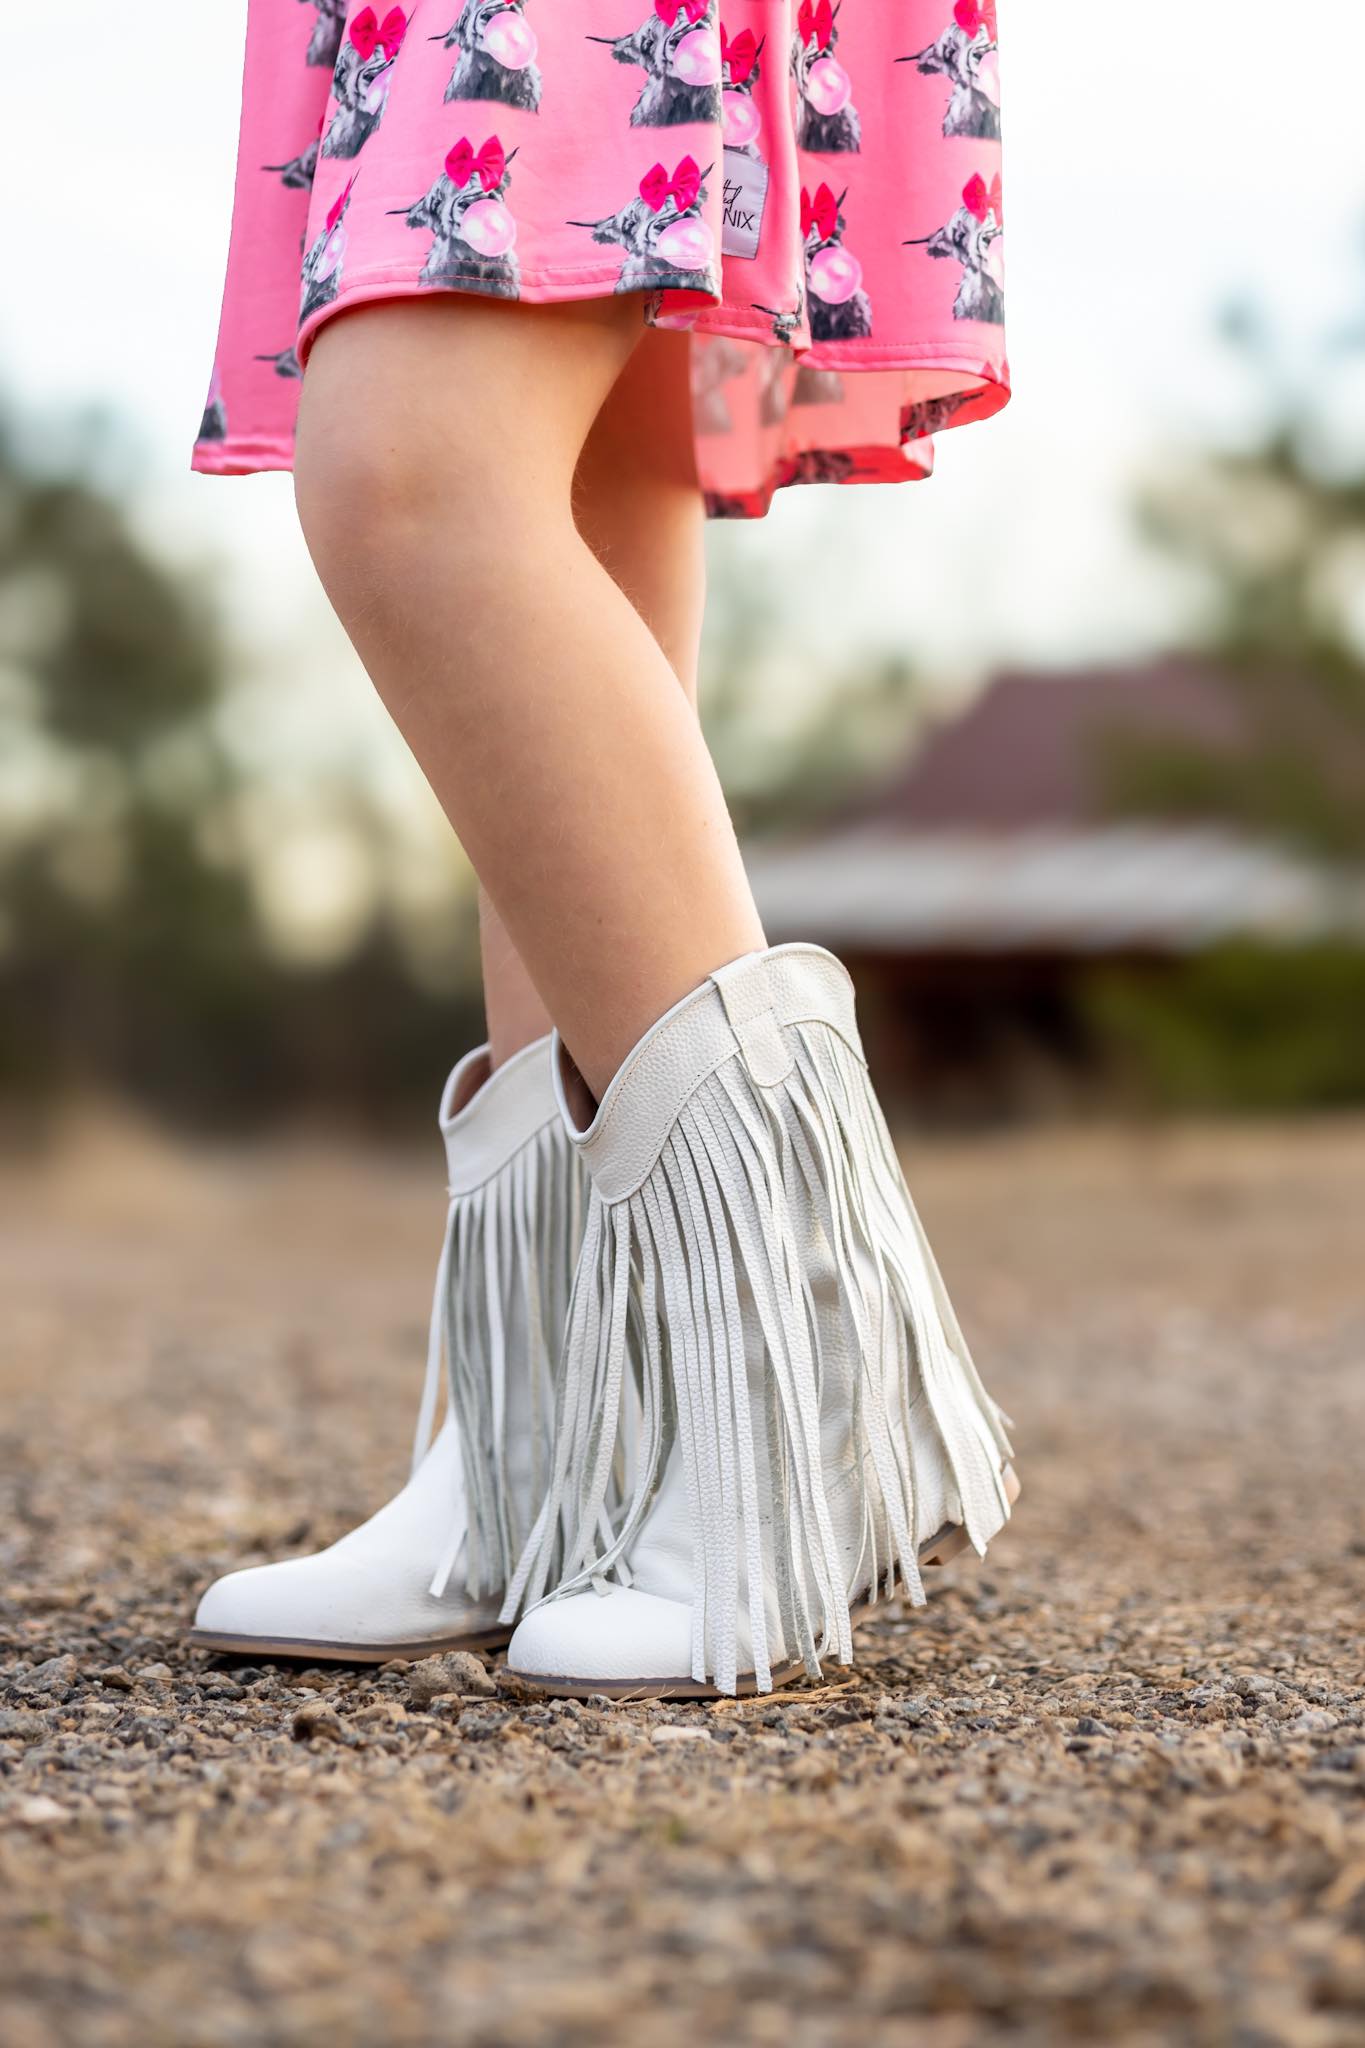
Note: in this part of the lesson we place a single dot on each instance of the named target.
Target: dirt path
(1109, 1787)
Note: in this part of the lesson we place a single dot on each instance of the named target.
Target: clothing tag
(746, 191)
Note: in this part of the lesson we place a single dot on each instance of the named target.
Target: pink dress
(811, 187)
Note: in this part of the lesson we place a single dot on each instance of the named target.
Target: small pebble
(40, 1812)
(316, 1723)
(54, 1674)
(21, 1726)
(454, 1671)
(1108, 1789)
(115, 1677)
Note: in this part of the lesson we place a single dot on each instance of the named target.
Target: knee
(387, 485)
(369, 485)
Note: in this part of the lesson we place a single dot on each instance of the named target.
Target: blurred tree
(1239, 1027)
(131, 953)
(791, 743)
(134, 953)
(1273, 536)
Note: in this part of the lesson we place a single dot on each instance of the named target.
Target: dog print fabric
(812, 188)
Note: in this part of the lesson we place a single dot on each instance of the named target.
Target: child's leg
(637, 503)
(438, 442)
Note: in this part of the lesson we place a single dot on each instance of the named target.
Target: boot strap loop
(746, 991)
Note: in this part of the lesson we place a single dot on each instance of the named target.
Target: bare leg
(637, 503)
(538, 703)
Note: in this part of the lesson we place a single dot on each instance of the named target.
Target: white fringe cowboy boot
(809, 1425)
(428, 1572)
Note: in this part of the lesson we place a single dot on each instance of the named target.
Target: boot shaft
(753, 1268)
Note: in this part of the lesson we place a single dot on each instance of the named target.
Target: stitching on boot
(744, 990)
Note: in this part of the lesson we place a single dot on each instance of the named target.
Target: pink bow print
(741, 55)
(972, 15)
(682, 188)
(817, 21)
(488, 166)
(979, 198)
(368, 32)
(820, 212)
(340, 203)
(669, 10)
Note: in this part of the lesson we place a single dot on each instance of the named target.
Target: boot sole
(343, 1653)
(951, 1539)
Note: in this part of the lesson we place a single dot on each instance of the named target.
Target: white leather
(371, 1586)
(485, 1117)
(628, 1635)
(802, 984)
(643, 1632)
(400, 1577)
(828, 1417)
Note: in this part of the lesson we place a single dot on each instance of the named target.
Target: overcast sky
(1158, 158)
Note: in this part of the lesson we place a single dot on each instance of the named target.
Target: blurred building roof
(1035, 747)
(1000, 836)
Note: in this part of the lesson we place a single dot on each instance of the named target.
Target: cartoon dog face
(323, 261)
(360, 82)
(666, 98)
(842, 310)
(328, 29)
(637, 229)
(960, 55)
(821, 124)
(969, 239)
(468, 179)
(647, 229)
(474, 18)
(478, 73)
(741, 70)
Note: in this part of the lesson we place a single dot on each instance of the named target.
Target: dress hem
(910, 460)
(714, 316)
(550, 285)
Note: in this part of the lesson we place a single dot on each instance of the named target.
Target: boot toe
(618, 1637)
(241, 1603)
(275, 1600)
(310, 1603)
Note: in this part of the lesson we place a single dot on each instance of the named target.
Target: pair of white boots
(706, 1394)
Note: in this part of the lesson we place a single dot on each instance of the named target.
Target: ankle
(602, 1044)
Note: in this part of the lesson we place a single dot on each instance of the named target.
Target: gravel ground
(1108, 1787)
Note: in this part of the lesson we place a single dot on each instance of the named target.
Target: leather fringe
(767, 1277)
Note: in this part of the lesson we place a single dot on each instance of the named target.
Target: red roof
(1032, 749)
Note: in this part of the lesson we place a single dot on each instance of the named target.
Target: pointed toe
(227, 1607)
(420, 1574)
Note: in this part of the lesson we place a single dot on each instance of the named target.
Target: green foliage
(1242, 1027)
(129, 653)
(131, 952)
(1272, 538)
